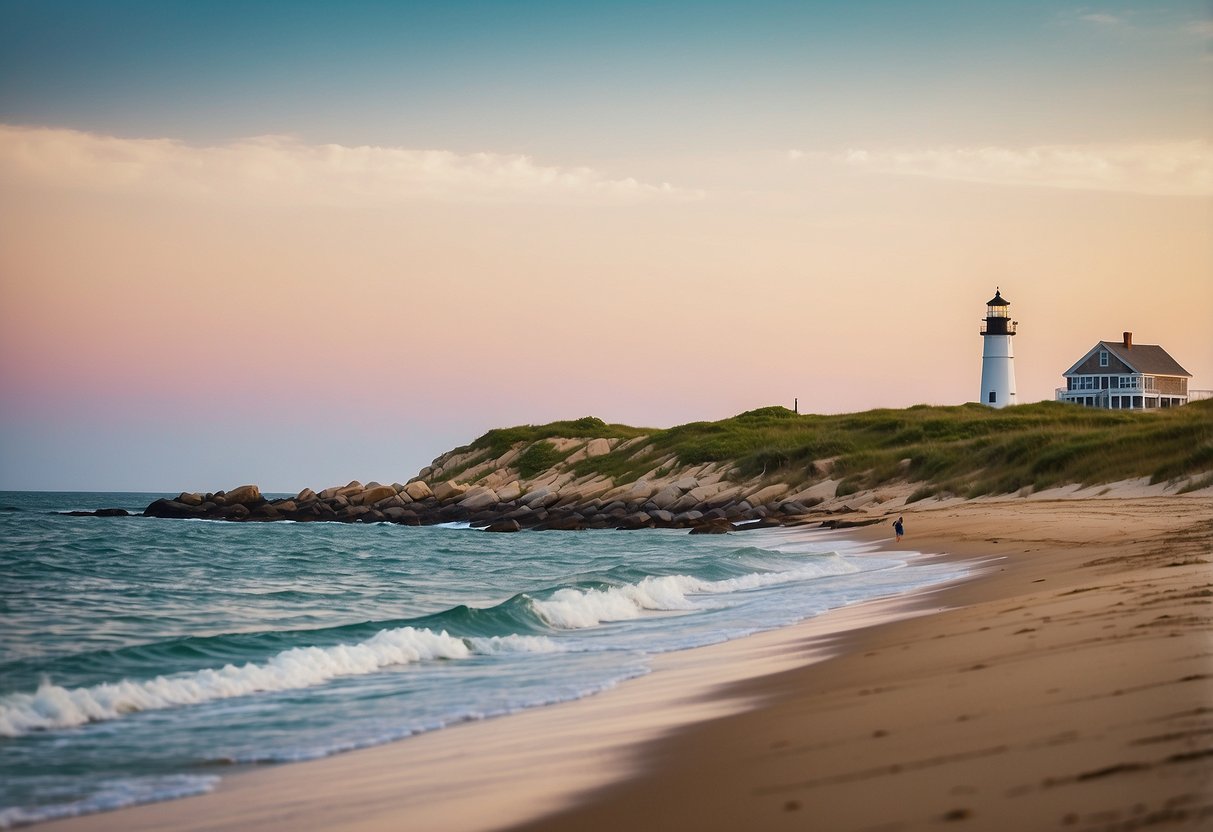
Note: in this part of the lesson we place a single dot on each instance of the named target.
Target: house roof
(1140, 358)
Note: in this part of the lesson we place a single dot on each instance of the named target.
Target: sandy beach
(1067, 685)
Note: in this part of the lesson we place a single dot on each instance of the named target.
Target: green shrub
(539, 456)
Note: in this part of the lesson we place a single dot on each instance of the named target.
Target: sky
(298, 243)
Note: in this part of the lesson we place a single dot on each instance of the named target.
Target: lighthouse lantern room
(997, 355)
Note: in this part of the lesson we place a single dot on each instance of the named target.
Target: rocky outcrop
(488, 490)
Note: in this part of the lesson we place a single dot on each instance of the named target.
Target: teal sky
(609, 79)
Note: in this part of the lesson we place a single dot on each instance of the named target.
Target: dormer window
(1103, 358)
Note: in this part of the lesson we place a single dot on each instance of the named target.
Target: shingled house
(1124, 375)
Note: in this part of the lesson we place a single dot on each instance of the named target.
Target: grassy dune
(967, 450)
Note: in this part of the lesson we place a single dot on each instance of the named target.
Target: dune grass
(968, 450)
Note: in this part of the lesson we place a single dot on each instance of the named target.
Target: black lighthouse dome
(998, 314)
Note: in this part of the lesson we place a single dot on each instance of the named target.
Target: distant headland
(762, 468)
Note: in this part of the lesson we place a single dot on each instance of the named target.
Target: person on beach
(899, 528)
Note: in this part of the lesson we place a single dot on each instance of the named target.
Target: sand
(1067, 685)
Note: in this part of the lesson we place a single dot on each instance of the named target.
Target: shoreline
(748, 733)
(482, 775)
(1068, 687)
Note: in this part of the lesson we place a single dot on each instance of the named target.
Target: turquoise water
(140, 658)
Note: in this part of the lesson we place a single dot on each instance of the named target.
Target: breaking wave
(52, 706)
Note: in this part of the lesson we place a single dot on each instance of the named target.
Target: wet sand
(1068, 685)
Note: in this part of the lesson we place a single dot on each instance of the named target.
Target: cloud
(1163, 168)
(287, 170)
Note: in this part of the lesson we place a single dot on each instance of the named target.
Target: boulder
(170, 508)
(638, 520)
(326, 494)
(566, 523)
(418, 490)
(243, 495)
(394, 501)
(641, 490)
(449, 490)
(190, 499)
(504, 526)
(479, 498)
(686, 484)
(666, 497)
(716, 526)
(351, 513)
(509, 492)
(767, 495)
(541, 497)
(597, 447)
(267, 511)
(238, 511)
(287, 506)
(686, 502)
(375, 493)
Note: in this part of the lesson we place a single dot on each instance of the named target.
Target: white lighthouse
(997, 355)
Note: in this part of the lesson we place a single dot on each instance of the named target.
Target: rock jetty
(490, 491)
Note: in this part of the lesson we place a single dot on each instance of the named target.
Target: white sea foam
(572, 609)
(52, 706)
(113, 794)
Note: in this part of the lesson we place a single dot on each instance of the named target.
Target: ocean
(141, 659)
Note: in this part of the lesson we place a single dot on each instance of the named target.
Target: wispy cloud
(285, 169)
(1164, 168)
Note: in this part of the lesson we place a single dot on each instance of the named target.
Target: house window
(993, 397)
(1103, 358)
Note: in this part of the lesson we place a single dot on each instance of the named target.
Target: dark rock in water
(170, 508)
(350, 513)
(267, 511)
(760, 523)
(715, 526)
(101, 512)
(504, 526)
(566, 523)
(638, 520)
(846, 524)
(236, 512)
(373, 516)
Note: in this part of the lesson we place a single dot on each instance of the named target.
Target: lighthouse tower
(997, 356)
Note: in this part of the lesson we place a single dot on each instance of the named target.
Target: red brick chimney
(1128, 340)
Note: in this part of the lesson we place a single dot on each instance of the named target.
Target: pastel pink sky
(292, 310)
